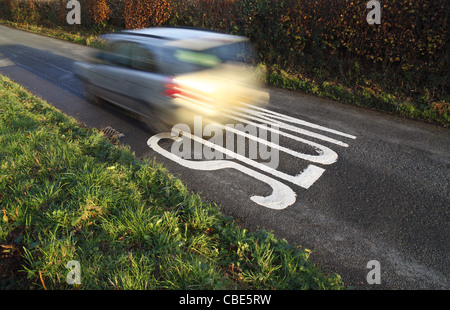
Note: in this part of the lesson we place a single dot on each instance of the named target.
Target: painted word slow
(263, 129)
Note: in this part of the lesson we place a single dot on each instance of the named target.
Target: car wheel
(90, 94)
(156, 124)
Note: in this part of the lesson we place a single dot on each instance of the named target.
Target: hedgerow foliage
(411, 43)
(98, 10)
(407, 54)
(146, 13)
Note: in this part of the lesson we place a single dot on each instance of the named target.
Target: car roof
(192, 38)
(179, 33)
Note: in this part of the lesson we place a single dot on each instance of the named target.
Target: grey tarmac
(386, 198)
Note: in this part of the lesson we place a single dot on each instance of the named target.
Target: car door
(112, 74)
(144, 80)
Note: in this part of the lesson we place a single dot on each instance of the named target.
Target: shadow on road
(51, 77)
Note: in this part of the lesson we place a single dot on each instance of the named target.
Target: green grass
(68, 193)
(80, 36)
(364, 96)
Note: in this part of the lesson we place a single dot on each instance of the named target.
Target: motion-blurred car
(169, 75)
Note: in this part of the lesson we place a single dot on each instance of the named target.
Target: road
(352, 185)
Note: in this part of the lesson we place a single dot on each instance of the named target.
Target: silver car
(170, 75)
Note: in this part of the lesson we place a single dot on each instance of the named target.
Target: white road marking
(326, 157)
(282, 196)
(264, 119)
(5, 62)
(304, 179)
(298, 121)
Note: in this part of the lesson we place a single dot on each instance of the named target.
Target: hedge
(327, 41)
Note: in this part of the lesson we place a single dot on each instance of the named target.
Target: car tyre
(90, 94)
(157, 125)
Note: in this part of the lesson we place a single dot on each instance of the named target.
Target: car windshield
(180, 61)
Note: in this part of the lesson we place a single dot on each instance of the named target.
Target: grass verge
(68, 193)
(366, 95)
(77, 37)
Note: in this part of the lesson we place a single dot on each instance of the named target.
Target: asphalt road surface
(353, 185)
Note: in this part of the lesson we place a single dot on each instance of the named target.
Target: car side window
(118, 53)
(142, 59)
